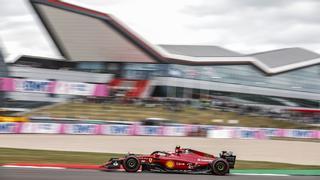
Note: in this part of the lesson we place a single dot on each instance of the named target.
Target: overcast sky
(245, 26)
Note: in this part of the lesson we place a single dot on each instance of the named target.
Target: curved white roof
(85, 35)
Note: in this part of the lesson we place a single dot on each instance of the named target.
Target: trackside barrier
(53, 87)
(124, 130)
(220, 133)
(136, 129)
(260, 133)
(93, 129)
(80, 129)
(176, 130)
(10, 128)
(298, 133)
(236, 133)
(273, 132)
(40, 128)
(250, 133)
(149, 130)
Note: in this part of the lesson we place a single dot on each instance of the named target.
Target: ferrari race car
(181, 161)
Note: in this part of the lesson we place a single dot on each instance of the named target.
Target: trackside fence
(139, 130)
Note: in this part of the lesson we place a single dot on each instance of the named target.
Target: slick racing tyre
(131, 164)
(220, 167)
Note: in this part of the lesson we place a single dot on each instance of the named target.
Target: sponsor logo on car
(180, 164)
(170, 164)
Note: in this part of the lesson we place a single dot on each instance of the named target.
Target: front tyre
(131, 164)
(220, 167)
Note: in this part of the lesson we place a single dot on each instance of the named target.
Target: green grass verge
(294, 172)
(9, 155)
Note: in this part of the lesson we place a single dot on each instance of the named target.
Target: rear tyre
(220, 167)
(131, 164)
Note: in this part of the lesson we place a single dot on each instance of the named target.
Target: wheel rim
(131, 163)
(220, 166)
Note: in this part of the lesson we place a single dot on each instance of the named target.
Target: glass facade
(304, 80)
(3, 73)
(3, 68)
(91, 66)
(144, 71)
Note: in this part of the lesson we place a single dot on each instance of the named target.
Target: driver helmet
(178, 149)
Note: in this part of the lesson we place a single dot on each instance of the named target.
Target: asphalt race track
(67, 174)
(252, 150)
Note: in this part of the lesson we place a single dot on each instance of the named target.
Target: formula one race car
(180, 161)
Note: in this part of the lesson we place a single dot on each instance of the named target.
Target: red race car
(181, 161)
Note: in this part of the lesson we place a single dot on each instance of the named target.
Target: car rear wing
(229, 157)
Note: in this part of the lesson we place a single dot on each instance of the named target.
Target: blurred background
(78, 85)
(105, 74)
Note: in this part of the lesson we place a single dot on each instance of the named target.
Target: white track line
(254, 174)
(34, 167)
(48, 167)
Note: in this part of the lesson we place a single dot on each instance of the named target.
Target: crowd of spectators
(221, 103)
